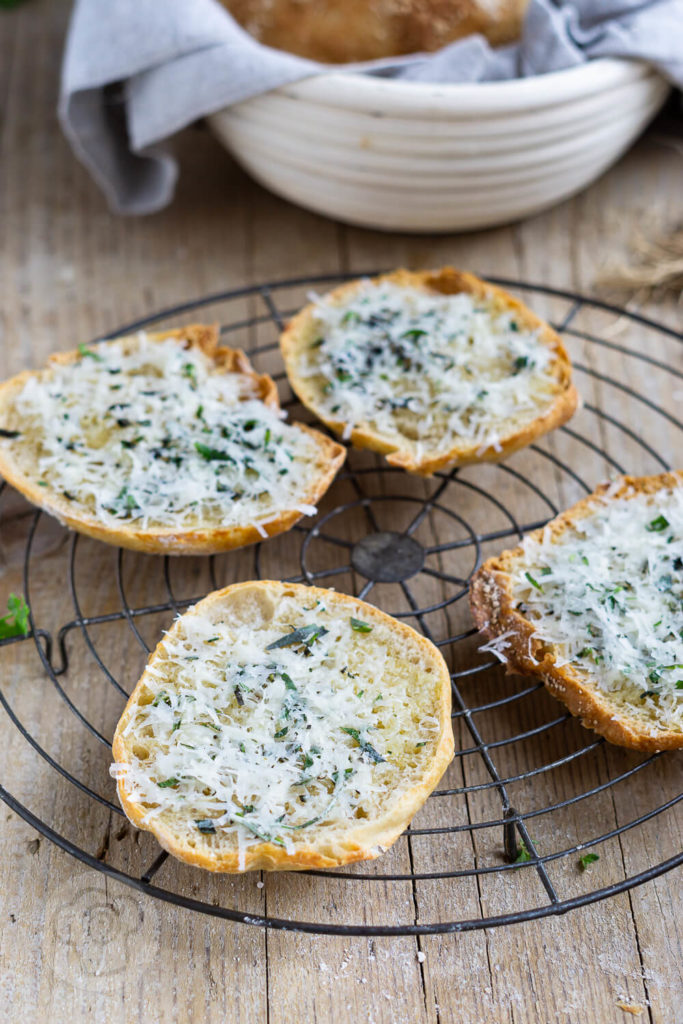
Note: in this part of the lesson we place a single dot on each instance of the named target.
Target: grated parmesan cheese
(607, 593)
(153, 436)
(438, 369)
(261, 744)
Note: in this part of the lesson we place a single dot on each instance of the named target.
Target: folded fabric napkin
(137, 71)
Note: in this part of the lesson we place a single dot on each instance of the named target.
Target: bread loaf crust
(342, 31)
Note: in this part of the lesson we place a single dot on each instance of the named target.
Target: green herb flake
(533, 582)
(167, 783)
(206, 826)
(305, 635)
(281, 732)
(16, 622)
(84, 351)
(212, 454)
(523, 856)
(657, 525)
(366, 747)
(588, 858)
(359, 626)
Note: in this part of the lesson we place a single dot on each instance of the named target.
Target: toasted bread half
(161, 442)
(283, 727)
(433, 369)
(592, 604)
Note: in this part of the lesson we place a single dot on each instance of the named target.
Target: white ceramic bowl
(408, 156)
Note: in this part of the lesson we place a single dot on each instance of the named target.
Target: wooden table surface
(76, 946)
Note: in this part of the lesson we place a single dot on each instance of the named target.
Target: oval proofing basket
(408, 156)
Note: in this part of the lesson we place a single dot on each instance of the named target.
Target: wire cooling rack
(503, 839)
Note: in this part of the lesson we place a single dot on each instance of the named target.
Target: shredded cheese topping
(260, 734)
(608, 594)
(152, 436)
(436, 369)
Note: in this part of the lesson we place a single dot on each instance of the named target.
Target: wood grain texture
(72, 271)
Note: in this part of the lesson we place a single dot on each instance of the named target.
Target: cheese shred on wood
(277, 715)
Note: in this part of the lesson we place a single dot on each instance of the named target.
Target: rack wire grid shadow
(475, 828)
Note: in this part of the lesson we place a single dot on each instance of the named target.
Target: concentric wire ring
(489, 765)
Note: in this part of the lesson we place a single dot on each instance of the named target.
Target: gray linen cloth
(137, 71)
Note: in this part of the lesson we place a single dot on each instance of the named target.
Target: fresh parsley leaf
(523, 856)
(303, 635)
(657, 525)
(212, 454)
(288, 681)
(16, 622)
(366, 747)
(83, 350)
(359, 626)
(588, 858)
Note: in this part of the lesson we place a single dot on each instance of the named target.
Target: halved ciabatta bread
(593, 604)
(161, 442)
(283, 727)
(433, 369)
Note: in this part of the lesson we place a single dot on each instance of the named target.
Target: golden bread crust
(166, 540)
(494, 614)
(365, 841)
(342, 31)
(447, 281)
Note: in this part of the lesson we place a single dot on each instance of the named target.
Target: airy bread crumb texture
(283, 727)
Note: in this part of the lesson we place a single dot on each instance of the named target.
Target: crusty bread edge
(447, 281)
(166, 540)
(366, 841)
(494, 614)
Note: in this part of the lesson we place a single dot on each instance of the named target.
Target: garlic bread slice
(161, 442)
(283, 727)
(593, 605)
(433, 369)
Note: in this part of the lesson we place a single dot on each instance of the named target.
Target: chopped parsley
(588, 858)
(305, 635)
(365, 746)
(359, 626)
(657, 525)
(84, 351)
(16, 622)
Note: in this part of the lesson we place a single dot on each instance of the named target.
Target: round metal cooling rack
(495, 776)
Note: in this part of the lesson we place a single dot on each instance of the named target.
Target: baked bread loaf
(593, 605)
(434, 369)
(283, 727)
(163, 443)
(341, 31)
